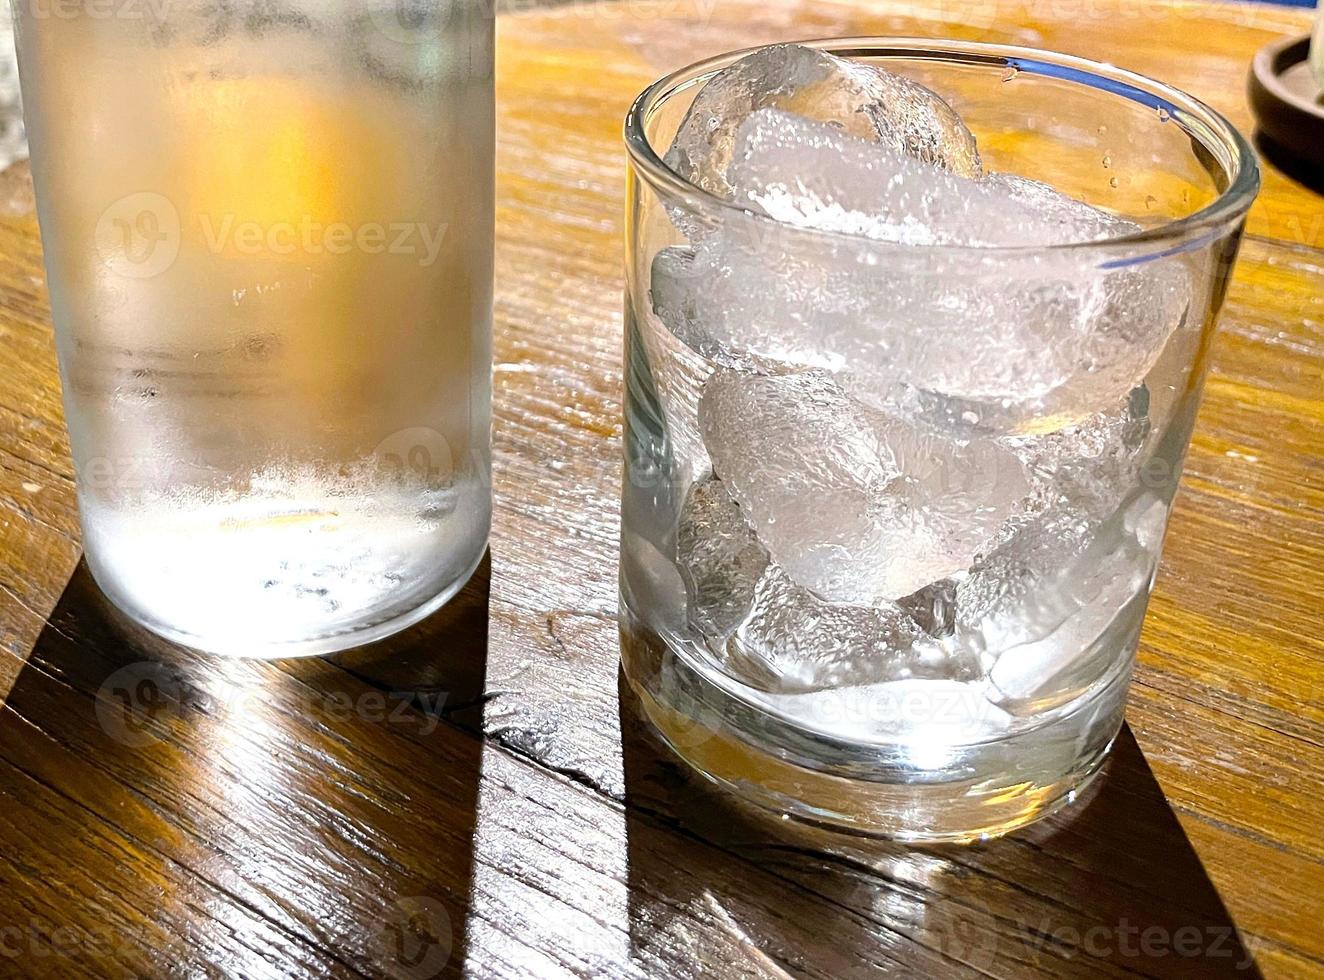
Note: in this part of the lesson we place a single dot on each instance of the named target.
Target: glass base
(256, 647)
(911, 792)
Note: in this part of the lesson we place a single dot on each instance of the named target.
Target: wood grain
(478, 795)
(38, 517)
(173, 813)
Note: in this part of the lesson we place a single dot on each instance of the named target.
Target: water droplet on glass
(1102, 130)
(1163, 114)
(1112, 182)
(1011, 72)
(1107, 161)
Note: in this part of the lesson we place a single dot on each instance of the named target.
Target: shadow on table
(1112, 885)
(325, 802)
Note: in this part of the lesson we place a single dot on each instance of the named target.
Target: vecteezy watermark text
(415, 456)
(141, 235)
(310, 237)
(153, 10)
(137, 704)
(40, 939)
(1127, 940)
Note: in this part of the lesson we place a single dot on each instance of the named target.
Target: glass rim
(1212, 130)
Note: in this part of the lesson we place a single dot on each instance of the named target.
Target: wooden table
(479, 794)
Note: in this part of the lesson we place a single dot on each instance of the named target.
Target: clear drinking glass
(268, 239)
(849, 664)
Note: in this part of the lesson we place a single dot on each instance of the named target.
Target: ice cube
(751, 300)
(1075, 333)
(764, 302)
(1073, 220)
(720, 559)
(1051, 656)
(854, 97)
(1136, 307)
(1079, 475)
(1031, 351)
(813, 175)
(995, 603)
(665, 374)
(702, 296)
(1144, 305)
(652, 580)
(794, 642)
(966, 489)
(933, 607)
(778, 636)
(998, 341)
(1088, 468)
(1038, 602)
(807, 472)
(857, 507)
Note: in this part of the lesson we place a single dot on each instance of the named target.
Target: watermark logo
(416, 938)
(411, 21)
(417, 455)
(131, 702)
(691, 728)
(139, 235)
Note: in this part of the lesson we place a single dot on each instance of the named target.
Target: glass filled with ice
(915, 337)
(268, 240)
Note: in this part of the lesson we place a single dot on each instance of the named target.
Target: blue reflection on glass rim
(1114, 85)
